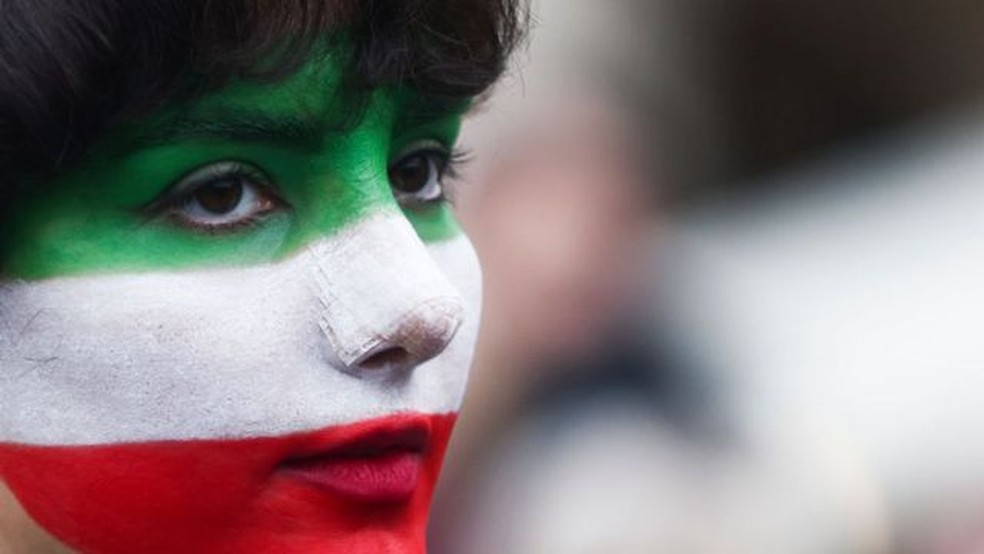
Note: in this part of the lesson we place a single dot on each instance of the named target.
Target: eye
(416, 176)
(221, 196)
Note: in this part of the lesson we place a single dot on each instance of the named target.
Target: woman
(236, 314)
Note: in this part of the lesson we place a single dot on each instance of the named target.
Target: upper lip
(374, 438)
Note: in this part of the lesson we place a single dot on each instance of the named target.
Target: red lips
(360, 488)
(382, 464)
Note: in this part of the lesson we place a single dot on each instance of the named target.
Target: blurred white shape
(852, 302)
(608, 480)
(614, 478)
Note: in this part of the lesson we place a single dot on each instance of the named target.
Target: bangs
(453, 48)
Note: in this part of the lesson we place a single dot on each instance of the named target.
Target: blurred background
(734, 261)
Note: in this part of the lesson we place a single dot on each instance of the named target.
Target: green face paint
(308, 177)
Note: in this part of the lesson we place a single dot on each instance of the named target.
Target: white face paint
(243, 352)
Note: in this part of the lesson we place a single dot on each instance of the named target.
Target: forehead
(313, 89)
(312, 96)
(319, 99)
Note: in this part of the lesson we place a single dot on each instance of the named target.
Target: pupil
(411, 175)
(220, 197)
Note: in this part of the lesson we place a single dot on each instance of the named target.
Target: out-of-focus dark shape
(792, 78)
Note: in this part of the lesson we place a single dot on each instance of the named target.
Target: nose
(385, 305)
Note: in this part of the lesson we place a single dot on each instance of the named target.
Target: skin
(19, 533)
(124, 209)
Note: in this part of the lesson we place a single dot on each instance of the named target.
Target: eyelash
(456, 160)
(450, 165)
(169, 205)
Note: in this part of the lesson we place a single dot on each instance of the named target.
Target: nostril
(393, 356)
(418, 335)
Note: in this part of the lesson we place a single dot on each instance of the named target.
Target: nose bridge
(379, 289)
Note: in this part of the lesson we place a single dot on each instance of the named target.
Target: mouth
(378, 462)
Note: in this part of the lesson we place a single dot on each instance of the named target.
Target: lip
(379, 462)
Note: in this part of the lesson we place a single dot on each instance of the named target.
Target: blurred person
(558, 226)
(560, 211)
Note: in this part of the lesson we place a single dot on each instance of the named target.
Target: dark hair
(71, 69)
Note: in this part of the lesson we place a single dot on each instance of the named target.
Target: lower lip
(390, 476)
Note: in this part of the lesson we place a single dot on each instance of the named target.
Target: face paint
(226, 333)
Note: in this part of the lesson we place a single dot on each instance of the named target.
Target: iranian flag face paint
(240, 326)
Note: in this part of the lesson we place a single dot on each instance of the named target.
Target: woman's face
(242, 325)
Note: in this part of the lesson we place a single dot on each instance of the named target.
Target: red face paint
(360, 488)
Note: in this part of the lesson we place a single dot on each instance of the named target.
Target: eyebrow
(429, 108)
(235, 126)
(253, 126)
